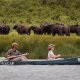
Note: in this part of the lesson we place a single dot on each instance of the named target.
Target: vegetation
(34, 12)
(37, 11)
(36, 45)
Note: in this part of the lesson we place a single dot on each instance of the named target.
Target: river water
(40, 72)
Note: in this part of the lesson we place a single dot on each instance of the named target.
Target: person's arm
(20, 54)
(8, 55)
(25, 54)
(55, 56)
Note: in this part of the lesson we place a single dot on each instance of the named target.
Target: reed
(36, 45)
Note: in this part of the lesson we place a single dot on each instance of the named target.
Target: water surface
(40, 72)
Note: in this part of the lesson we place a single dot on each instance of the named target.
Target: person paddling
(51, 54)
(14, 55)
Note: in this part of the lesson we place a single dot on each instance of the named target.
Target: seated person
(14, 55)
(51, 54)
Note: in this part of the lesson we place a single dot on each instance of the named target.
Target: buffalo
(22, 29)
(46, 28)
(75, 29)
(37, 30)
(4, 29)
(65, 30)
(56, 29)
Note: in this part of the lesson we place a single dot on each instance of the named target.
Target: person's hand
(59, 55)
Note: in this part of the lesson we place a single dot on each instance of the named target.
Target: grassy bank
(35, 12)
(36, 45)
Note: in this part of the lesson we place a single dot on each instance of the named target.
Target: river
(40, 72)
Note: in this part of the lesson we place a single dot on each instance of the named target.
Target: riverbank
(36, 45)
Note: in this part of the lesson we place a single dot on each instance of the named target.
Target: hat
(50, 46)
(14, 44)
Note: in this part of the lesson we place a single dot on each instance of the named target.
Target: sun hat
(14, 44)
(50, 46)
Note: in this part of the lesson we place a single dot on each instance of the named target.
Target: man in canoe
(14, 55)
(51, 54)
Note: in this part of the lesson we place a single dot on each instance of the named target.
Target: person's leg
(16, 59)
(20, 58)
(23, 58)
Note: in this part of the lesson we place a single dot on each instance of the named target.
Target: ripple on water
(40, 72)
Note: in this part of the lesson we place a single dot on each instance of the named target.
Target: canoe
(61, 61)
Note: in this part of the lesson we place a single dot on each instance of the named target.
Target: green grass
(36, 45)
(33, 12)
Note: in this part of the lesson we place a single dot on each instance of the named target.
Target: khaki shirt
(15, 53)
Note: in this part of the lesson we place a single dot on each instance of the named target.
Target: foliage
(38, 11)
(36, 45)
(35, 12)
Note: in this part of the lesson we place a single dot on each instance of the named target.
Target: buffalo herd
(44, 28)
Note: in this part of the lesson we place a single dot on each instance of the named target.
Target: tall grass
(36, 45)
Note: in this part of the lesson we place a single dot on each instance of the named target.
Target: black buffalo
(46, 28)
(56, 29)
(60, 29)
(22, 29)
(75, 29)
(36, 30)
(65, 30)
(4, 29)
